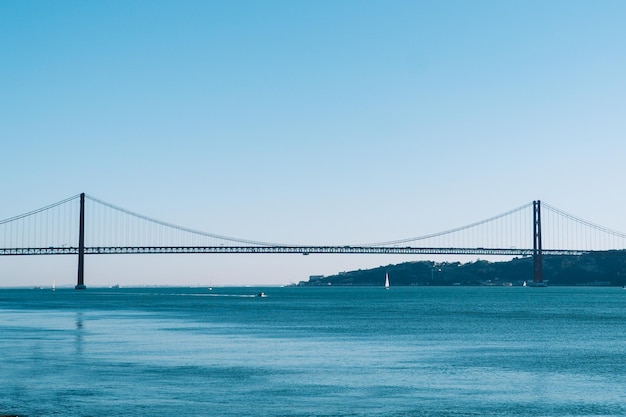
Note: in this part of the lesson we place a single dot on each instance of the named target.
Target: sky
(313, 122)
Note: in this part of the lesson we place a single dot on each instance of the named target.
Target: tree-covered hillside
(595, 268)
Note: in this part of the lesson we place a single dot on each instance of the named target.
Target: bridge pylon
(537, 250)
(81, 246)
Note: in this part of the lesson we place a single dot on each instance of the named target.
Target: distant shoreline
(592, 269)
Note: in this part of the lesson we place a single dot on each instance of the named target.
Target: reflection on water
(79, 333)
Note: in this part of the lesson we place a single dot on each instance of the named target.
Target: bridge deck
(303, 250)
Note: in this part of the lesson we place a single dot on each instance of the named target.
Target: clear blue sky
(320, 122)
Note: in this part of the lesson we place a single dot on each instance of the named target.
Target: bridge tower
(537, 251)
(81, 246)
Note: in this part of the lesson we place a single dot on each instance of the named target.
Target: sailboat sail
(386, 281)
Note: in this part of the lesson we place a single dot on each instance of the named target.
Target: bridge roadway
(303, 250)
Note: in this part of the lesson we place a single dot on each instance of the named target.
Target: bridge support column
(81, 246)
(537, 251)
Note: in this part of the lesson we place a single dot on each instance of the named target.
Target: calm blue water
(416, 351)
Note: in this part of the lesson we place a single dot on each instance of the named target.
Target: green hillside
(594, 268)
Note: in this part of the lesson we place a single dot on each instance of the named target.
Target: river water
(413, 351)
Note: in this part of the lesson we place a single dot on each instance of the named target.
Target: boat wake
(225, 295)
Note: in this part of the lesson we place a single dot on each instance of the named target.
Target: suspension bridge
(84, 225)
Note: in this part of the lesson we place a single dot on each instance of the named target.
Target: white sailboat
(54, 285)
(386, 281)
